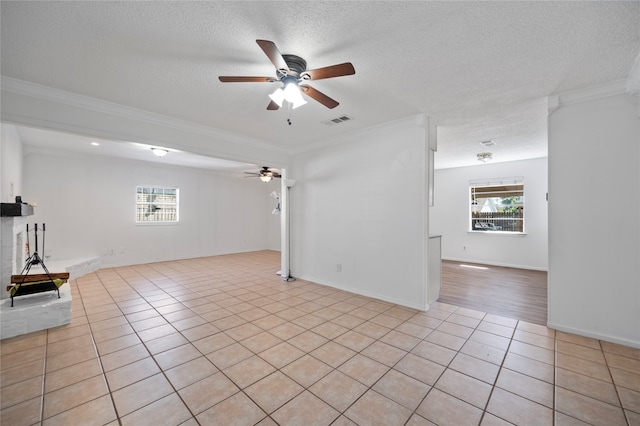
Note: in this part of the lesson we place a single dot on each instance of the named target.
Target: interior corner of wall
(421, 120)
(432, 135)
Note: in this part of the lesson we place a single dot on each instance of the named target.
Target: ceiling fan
(291, 71)
(265, 175)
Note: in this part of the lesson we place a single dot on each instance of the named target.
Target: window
(497, 205)
(156, 204)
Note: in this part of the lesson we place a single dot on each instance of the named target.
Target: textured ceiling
(480, 70)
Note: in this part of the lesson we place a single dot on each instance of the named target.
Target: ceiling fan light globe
(277, 96)
(291, 92)
(298, 102)
(159, 152)
(265, 178)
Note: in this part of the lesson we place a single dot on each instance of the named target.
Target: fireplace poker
(28, 246)
(35, 226)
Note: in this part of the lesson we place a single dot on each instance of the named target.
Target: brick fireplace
(13, 250)
(33, 312)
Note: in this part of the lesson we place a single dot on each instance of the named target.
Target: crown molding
(612, 88)
(38, 91)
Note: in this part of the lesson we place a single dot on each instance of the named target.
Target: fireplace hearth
(37, 311)
(32, 312)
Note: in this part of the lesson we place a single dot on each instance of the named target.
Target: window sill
(498, 233)
(157, 223)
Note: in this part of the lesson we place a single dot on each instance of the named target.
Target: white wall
(449, 216)
(88, 205)
(11, 164)
(362, 204)
(594, 219)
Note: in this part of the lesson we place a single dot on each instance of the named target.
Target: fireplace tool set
(26, 283)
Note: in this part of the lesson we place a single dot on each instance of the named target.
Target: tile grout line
(111, 393)
(44, 374)
(43, 394)
(369, 388)
(495, 382)
(307, 389)
(415, 410)
(162, 370)
(104, 375)
(615, 386)
(306, 353)
(163, 290)
(578, 391)
(241, 389)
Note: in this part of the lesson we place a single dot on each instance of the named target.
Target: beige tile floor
(222, 340)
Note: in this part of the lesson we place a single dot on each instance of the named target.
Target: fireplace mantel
(15, 209)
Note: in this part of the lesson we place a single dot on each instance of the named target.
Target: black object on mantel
(15, 209)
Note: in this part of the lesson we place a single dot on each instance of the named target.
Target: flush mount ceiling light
(159, 152)
(484, 156)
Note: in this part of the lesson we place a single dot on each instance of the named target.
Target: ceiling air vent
(337, 120)
(487, 143)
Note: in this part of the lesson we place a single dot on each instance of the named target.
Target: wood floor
(514, 293)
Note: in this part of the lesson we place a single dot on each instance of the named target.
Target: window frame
(507, 186)
(139, 203)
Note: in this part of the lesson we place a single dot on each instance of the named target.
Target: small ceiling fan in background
(291, 71)
(265, 175)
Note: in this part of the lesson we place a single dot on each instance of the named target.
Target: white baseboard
(365, 293)
(599, 336)
(504, 265)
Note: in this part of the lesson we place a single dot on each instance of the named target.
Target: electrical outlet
(339, 267)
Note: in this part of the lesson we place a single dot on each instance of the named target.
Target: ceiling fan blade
(319, 96)
(331, 71)
(241, 79)
(272, 106)
(271, 50)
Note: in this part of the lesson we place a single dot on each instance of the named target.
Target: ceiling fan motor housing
(296, 64)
